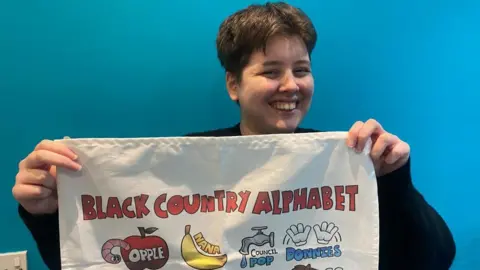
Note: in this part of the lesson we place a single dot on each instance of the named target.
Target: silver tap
(259, 239)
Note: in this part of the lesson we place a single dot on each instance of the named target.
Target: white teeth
(285, 106)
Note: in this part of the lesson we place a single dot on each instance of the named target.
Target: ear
(232, 86)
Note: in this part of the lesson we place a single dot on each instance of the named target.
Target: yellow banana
(192, 256)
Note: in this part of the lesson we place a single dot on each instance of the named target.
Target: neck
(245, 130)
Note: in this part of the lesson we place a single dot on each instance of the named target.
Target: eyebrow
(277, 63)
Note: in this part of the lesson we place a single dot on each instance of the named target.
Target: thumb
(307, 229)
(53, 171)
(317, 231)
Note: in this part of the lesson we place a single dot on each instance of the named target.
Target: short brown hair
(249, 29)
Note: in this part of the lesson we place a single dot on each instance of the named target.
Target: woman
(265, 50)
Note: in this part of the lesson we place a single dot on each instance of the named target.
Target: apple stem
(187, 229)
(142, 232)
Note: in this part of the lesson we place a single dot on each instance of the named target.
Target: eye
(273, 73)
(302, 71)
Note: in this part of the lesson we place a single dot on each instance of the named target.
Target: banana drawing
(195, 259)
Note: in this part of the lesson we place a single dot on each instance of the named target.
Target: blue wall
(127, 69)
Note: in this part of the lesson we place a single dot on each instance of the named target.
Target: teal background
(149, 68)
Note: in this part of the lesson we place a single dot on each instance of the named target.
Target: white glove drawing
(325, 232)
(299, 234)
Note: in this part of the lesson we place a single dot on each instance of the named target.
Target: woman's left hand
(388, 152)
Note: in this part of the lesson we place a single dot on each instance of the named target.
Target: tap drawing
(259, 239)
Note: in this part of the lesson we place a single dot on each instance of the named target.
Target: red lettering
(157, 206)
(243, 204)
(276, 202)
(208, 204)
(300, 199)
(262, 204)
(140, 206)
(339, 198)
(314, 199)
(126, 203)
(88, 203)
(287, 197)
(113, 208)
(100, 213)
(175, 205)
(231, 202)
(201, 203)
(220, 194)
(192, 208)
(327, 198)
(352, 191)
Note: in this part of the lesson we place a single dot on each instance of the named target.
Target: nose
(288, 83)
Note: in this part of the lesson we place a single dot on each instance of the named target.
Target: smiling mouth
(284, 106)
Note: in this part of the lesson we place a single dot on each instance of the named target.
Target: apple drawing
(146, 251)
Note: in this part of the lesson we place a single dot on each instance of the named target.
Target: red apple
(146, 252)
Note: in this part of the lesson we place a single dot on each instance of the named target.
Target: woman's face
(276, 88)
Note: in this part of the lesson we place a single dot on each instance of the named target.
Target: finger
(353, 134)
(330, 227)
(30, 192)
(291, 234)
(323, 226)
(40, 158)
(381, 144)
(56, 147)
(294, 229)
(300, 228)
(36, 177)
(334, 230)
(400, 151)
(370, 128)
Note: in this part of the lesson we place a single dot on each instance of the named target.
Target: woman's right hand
(36, 185)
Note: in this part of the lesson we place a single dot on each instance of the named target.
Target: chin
(286, 126)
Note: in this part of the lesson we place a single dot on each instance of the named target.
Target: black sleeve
(412, 233)
(45, 232)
